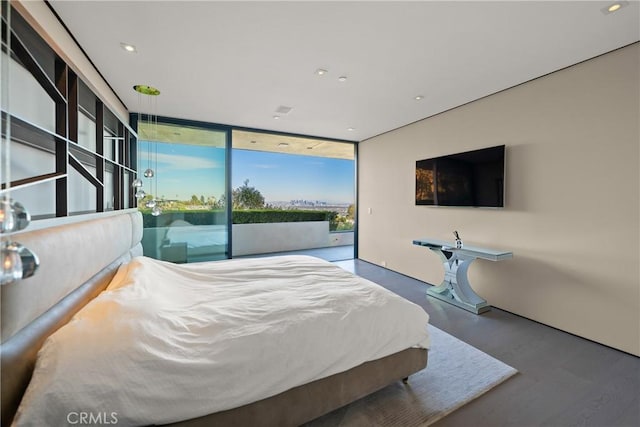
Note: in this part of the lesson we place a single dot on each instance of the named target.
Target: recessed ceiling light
(350, 129)
(321, 71)
(128, 47)
(613, 7)
(418, 97)
(276, 117)
(342, 78)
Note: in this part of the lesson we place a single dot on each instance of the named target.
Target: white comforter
(170, 342)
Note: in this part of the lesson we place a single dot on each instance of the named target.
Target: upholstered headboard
(77, 261)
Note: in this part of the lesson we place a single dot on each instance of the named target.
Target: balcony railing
(188, 236)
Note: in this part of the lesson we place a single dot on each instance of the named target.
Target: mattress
(167, 342)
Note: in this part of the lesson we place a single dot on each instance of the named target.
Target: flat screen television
(473, 178)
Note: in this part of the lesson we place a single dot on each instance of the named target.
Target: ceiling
(274, 143)
(244, 140)
(236, 63)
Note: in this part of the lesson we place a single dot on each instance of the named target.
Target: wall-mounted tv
(473, 178)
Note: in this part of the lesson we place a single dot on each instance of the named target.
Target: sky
(285, 177)
(182, 170)
(185, 170)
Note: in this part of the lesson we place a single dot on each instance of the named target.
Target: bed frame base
(307, 402)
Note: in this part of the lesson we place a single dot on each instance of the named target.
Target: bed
(74, 272)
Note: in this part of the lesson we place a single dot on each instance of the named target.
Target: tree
(245, 197)
(221, 203)
(351, 212)
(195, 200)
(202, 199)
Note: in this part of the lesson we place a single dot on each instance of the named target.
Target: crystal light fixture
(137, 185)
(13, 216)
(18, 262)
(11, 263)
(149, 173)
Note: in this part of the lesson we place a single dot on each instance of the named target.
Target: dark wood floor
(563, 380)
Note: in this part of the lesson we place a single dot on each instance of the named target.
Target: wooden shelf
(34, 180)
(32, 135)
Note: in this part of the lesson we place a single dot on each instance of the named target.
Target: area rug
(456, 373)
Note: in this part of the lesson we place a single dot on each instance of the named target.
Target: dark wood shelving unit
(107, 168)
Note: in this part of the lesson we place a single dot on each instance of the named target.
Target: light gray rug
(456, 373)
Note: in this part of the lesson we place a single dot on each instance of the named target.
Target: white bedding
(168, 342)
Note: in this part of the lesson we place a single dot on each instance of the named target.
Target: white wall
(572, 198)
(38, 15)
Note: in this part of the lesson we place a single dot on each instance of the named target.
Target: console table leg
(455, 288)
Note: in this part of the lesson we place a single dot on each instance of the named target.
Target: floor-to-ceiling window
(184, 203)
(292, 193)
(203, 201)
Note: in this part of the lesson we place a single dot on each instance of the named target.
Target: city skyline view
(183, 170)
(286, 177)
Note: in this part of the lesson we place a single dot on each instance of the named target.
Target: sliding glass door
(184, 198)
(291, 194)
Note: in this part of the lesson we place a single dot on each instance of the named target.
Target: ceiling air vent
(283, 109)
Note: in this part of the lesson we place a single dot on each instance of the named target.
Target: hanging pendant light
(13, 216)
(11, 263)
(18, 262)
(154, 203)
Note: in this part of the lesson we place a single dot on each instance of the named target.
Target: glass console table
(455, 288)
